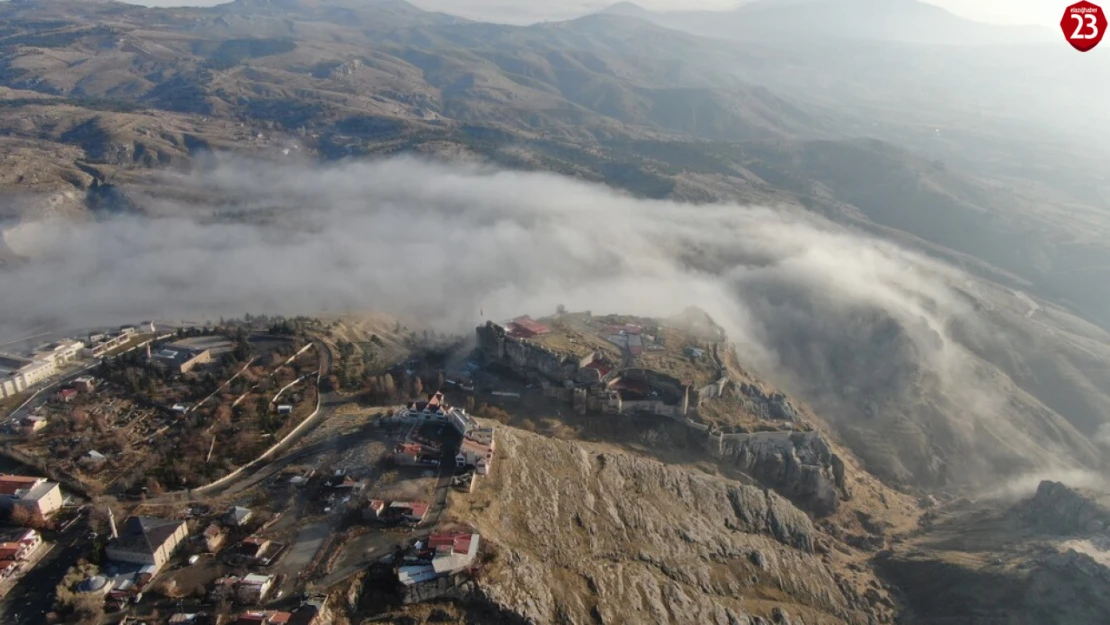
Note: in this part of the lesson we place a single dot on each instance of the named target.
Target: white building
(18, 374)
(59, 353)
(103, 344)
(36, 495)
(253, 588)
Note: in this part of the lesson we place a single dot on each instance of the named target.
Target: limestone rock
(1063, 510)
(610, 537)
(797, 465)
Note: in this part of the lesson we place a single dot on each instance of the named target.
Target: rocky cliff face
(798, 465)
(590, 535)
(1063, 510)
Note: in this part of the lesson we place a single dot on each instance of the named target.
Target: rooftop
(453, 551)
(416, 508)
(16, 484)
(145, 534)
(257, 579)
(11, 364)
(525, 327)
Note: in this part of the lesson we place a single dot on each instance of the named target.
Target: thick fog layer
(842, 317)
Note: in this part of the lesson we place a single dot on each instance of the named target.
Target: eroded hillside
(586, 533)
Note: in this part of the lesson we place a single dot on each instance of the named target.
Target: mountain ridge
(899, 20)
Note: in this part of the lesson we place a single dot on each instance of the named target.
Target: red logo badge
(1083, 25)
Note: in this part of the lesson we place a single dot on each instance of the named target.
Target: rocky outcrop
(1060, 588)
(1063, 510)
(769, 406)
(798, 465)
(588, 537)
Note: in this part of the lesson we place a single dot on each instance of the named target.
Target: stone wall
(529, 358)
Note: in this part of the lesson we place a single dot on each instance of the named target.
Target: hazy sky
(1002, 11)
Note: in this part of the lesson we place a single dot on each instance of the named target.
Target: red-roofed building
(12, 484)
(12, 551)
(264, 618)
(526, 327)
(472, 452)
(412, 512)
(38, 496)
(453, 551)
(415, 454)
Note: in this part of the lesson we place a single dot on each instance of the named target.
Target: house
(415, 454)
(254, 546)
(435, 409)
(475, 454)
(238, 516)
(101, 344)
(341, 482)
(28, 538)
(182, 618)
(595, 371)
(254, 588)
(264, 618)
(31, 424)
(93, 460)
(16, 549)
(213, 537)
(146, 540)
(453, 552)
(59, 353)
(180, 358)
(410, 512)
(39, 497)
(85, 384)
(445, 555)
(285, 409)
(694, 352)
(12, 552)
(18, 374)
(128, 330)
(67, 394)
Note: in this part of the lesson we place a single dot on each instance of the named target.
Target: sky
(525, 11)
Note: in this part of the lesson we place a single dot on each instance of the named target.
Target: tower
(112, 523)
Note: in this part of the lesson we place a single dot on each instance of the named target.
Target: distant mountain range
(903, 21)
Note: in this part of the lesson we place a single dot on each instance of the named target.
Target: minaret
(148, 352)
(112, 523)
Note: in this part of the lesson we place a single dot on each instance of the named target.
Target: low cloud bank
(841, 317)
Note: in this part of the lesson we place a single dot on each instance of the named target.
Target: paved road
(32, 597)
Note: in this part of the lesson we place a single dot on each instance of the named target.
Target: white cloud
(806, 301)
